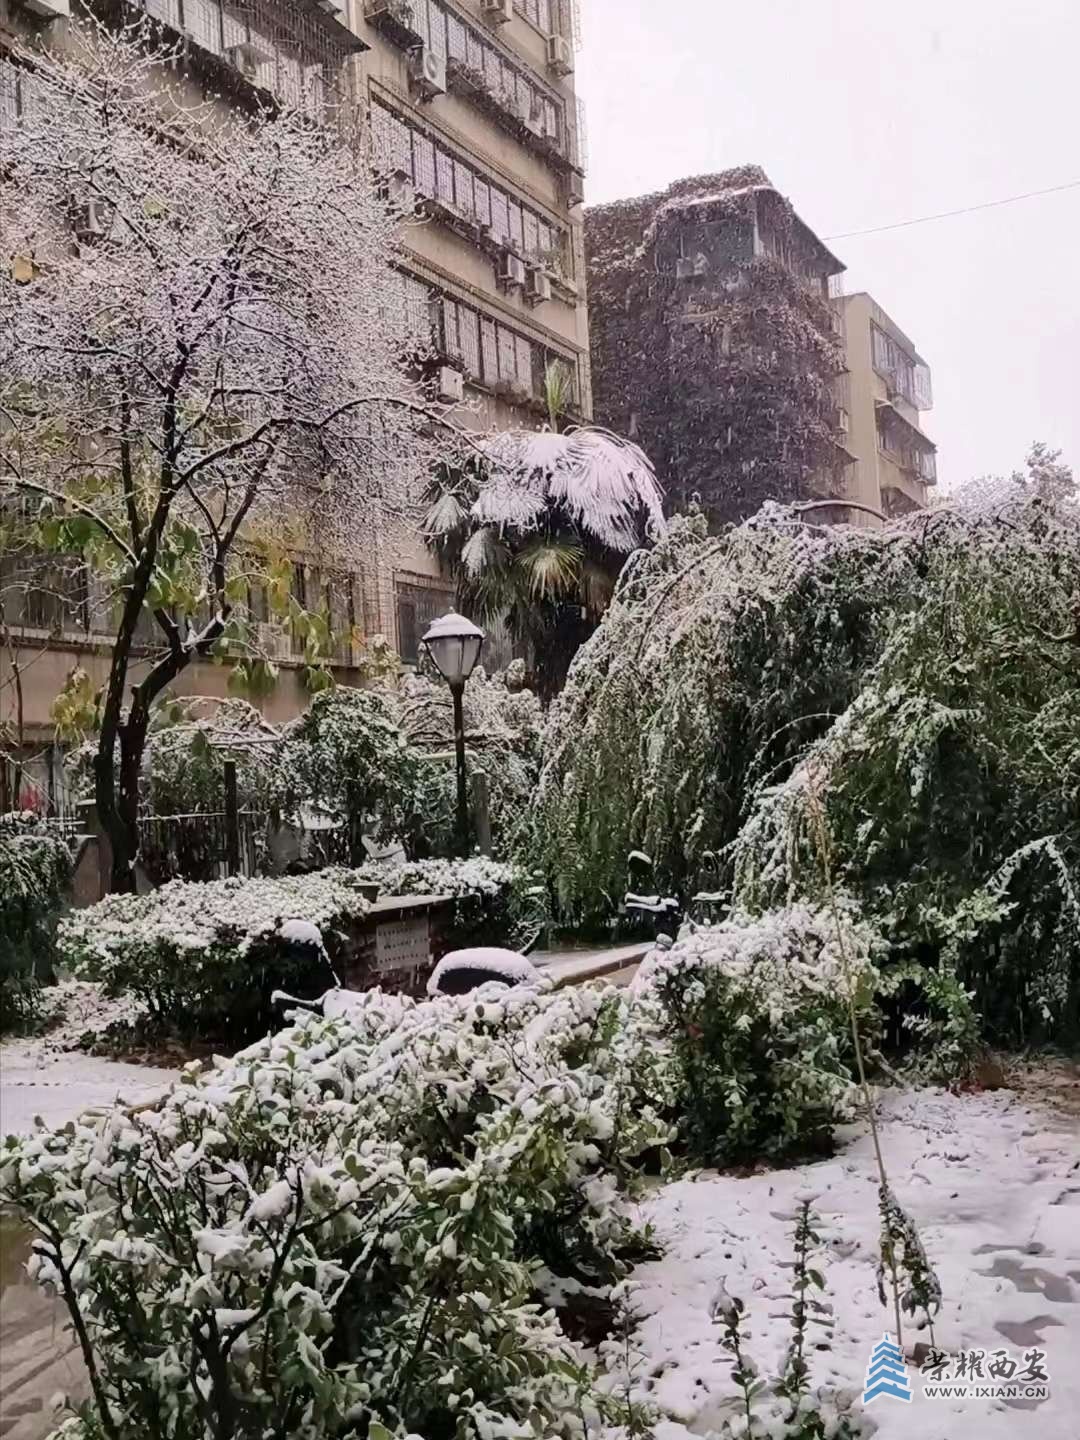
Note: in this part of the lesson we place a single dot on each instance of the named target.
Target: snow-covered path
(47, 1076)
(994, 1187)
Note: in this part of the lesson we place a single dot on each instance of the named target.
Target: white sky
(866, 112)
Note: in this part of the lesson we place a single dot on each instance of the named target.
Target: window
(493, 353)
(417, 607)
(537, 11)
(440, 175)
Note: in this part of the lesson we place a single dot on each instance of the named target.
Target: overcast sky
(866, 112)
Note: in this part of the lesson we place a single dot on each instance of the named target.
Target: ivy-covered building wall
(714, 342)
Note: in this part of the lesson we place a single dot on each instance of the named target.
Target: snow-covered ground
(45, 1075)
(994, 1187)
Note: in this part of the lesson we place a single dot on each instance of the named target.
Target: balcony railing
(294, 50)
(476, 66)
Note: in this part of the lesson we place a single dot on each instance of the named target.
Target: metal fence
(203, 846)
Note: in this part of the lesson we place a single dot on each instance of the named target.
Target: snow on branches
(348, 1224)
(922, 676)
(209, 350)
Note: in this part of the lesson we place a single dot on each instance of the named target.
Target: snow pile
(995, 1189)
(505, 965)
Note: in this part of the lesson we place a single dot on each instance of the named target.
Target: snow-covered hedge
(35, 864)
(496, 903)
(206, 957)
(351, 1227)
(756, 1012)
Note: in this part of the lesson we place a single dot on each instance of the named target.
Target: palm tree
(537, 528)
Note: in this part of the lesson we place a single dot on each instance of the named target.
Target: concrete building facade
(468, 112)
(888, 387)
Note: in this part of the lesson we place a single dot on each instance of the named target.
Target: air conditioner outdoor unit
(843, 421)
(50, 9)
(451, 385)
(685, 267)
(539, 288)
(333, 7)
(91, 220)
(512, 271)
(497, 11)
(574, 191)
(429, 73)
(560, 55)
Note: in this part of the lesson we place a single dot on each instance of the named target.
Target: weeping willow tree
(921, 681)
(536, 529)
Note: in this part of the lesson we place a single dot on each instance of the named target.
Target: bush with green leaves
(503, 726)
(341, 1231)
(756, 1013)
(494, 903)
(347, 755)
(922, 677)
(205, 958)
(35, 866)
(949, 788)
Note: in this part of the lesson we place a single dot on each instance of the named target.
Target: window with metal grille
(417, 607)
(435, 172)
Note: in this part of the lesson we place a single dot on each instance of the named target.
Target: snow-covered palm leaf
(511, 498)
(551, 567)
(605, 484)
(483, 551)
(446, 515)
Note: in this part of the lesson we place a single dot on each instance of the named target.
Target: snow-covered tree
(537, 529)
(204, 362)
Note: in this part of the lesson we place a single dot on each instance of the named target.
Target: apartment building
(717, 342)
(888, 389)
(468, 113)
(474, 122)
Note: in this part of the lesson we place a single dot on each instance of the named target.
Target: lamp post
(454, 646)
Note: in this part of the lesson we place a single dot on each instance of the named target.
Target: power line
(948, 214)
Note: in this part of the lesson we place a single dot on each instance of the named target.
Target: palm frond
(484, 552)
(550, 567)
(446, 515)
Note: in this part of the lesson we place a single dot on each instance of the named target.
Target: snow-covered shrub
(495, 903)
(348, 755)
(755, 1010)
(205, 957)
(950, 789)
(340, 1230)
(924, 676)
(184, 765)
(503, 723)
(718, 661)
(35, 865)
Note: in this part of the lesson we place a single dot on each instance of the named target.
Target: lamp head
(454, 646)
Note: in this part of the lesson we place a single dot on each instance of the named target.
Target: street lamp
(454, 646)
